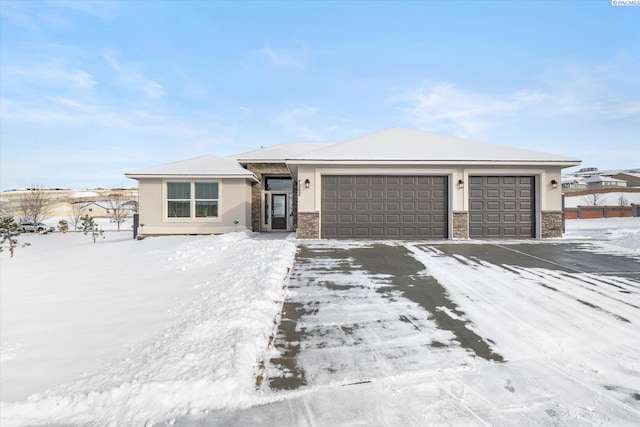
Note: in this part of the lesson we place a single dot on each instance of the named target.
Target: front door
(278, 211)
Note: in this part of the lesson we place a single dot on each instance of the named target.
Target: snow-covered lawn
(604, 199)
(125, 332)
(616, 232)
(120, 332)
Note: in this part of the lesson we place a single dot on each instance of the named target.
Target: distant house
(598, 181)
(395, 184)
(632, 179)
(571, 183)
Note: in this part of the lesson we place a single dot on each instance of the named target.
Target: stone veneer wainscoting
(551, 224)
(308, 225)
(461, 225)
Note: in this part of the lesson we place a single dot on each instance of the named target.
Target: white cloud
(283, 58)
(54, 71)
(445, 106)
(129, 73)
(587, 93)
(291, 118)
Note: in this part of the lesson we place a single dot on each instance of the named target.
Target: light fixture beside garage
(554, 183)
(460, 183)
(307, 183)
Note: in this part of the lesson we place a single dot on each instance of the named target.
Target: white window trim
(192, 206)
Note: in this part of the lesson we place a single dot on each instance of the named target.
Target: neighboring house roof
(400, 144)
(278, 152)
(567, 180)
(611, 172)
(597, 178)
(631, 174)
(209, 166)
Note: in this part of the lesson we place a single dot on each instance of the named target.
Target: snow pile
(179, 325)
(623, 232)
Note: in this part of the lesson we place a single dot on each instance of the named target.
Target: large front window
(189, 199)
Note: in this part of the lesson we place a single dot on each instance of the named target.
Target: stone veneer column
(461, 225)
(551, 224)
(308, 225)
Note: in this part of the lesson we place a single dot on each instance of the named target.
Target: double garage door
(384, 207)
(416, 207)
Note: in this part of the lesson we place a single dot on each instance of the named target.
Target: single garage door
(501, 207)
(384, 207)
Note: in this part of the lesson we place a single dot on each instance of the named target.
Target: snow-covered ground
(604, 199)
(120, 332)
(124, 332)
(613, 232)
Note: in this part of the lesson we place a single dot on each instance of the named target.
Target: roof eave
(247, 161)
(562, 163)
(190, 176)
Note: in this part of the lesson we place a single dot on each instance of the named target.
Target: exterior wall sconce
(307, 183)
(460, 183)
(554, 183)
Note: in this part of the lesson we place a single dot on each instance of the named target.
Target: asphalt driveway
(409, 333)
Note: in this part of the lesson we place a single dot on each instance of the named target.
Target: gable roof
(406, 145)
(204, 166)
(278, 152)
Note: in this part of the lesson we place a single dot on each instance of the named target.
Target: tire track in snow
(563, 330)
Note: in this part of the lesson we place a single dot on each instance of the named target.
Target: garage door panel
(377, 232)
(329, 193)
(492, 193)
(393, 218)
(332, 218)
(362, 193)
(491, 206)
(384, 207)
(501, 207)
(345, 180)
(363, 219)
(393, 180)
(475, 193)
(376, 218)
(330, 180)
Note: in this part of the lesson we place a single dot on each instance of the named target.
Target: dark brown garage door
(384, 207)
(501, 207)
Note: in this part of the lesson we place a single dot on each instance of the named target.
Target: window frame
(192, 201)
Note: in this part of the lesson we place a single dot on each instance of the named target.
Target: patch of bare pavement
(402, 333)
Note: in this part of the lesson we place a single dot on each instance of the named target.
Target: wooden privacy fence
(592, 212)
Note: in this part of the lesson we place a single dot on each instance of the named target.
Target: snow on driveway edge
(208, 359)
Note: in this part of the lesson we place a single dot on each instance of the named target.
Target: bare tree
(593, 198)
(78, 210)
(622, 201)
(121, 206)
(34, 204)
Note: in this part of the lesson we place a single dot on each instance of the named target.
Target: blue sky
(91, 90)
